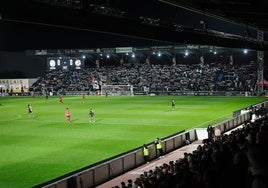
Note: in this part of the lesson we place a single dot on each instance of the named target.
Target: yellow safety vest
(145, 151)
(159, 145)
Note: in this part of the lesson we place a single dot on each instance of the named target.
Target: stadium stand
(153, 78)
(234, 159)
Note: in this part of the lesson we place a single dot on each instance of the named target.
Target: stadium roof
(74, 24)
(248, 12)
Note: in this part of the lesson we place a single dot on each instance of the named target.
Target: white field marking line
(30, 119)
(11, 119)
(206, 122)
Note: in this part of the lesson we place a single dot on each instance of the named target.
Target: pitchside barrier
(129, 91)
(103, 171)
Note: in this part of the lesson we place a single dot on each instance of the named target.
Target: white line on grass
(11, 119)
(207, 122)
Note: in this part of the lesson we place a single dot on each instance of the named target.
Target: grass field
(35, 150)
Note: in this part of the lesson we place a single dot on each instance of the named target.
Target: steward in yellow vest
(145, 153)
(159, 147)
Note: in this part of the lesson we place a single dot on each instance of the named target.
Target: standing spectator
(159, 147)
(130, 183)
(145, 153)
(210, 131)
(68, 115)
(92, 114)
(30, 111)
(123, 184)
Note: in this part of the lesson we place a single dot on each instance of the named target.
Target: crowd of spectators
(238, 159)
(153, 78)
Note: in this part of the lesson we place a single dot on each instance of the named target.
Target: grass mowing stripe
(36, 150)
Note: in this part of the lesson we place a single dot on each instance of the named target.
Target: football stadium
(91, 90)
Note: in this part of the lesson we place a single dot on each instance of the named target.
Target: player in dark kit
(91, 114)
(30, 111)
(46, 95)
(173, 105)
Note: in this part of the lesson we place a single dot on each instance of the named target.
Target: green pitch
(36, 150)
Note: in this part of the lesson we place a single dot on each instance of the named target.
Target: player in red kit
(60, 99)
(68, 115)
(83, 95)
